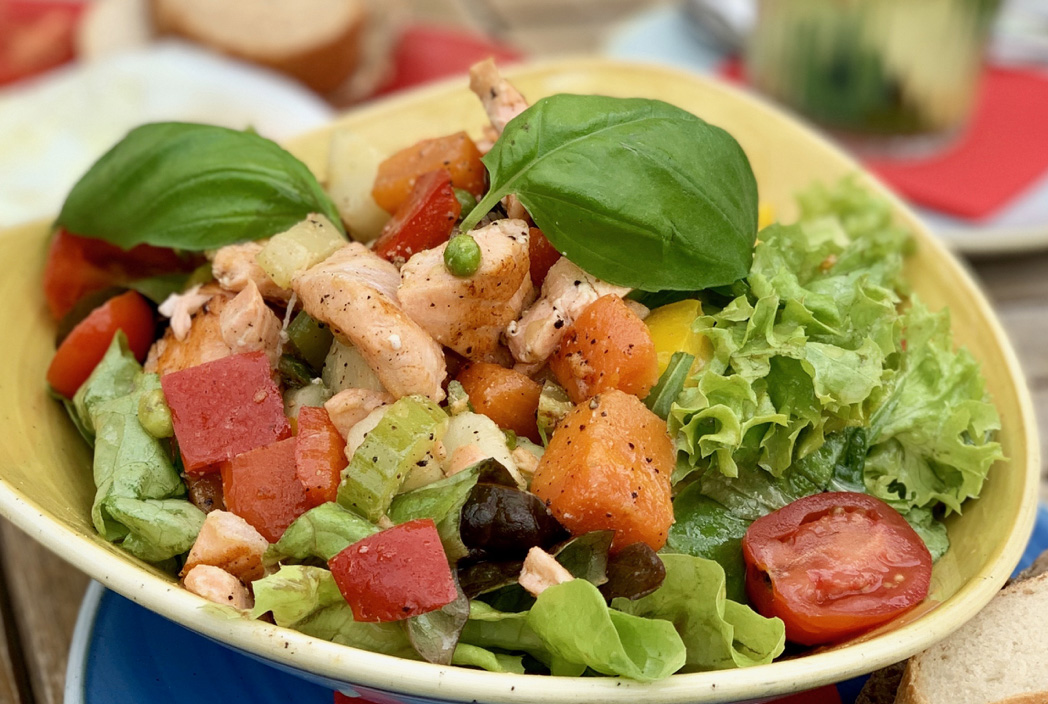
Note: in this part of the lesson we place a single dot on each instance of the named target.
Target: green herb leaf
(616, 182)
(192, 187)
(669, 386)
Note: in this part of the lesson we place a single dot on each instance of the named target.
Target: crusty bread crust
(316, 42)
(915, 687)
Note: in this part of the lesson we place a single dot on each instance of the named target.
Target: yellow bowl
(45, 468)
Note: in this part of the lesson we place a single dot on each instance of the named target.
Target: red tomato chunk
(396, 574)
(424, 221)
(223, 408)
(320, 455)
(262, 487)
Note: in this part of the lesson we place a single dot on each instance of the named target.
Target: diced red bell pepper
(223, 408)
(395, 574)
(424, 221)
(77, 266)
(320, 455)
(262, 487)
(84, 347)
(542, 254)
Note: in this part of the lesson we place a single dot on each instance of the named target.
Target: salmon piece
(566, 292)
(228, 541)
(541, 571)
(502, 102)
(354, 292)
(608, 467)
(234, 265)
(608, 347)
(350, 406)
(468, 314)
(218, 586)
(249, 325)
(202, 342)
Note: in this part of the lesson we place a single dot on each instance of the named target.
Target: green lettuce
(577, 626)
(294, 592)
(931, 436)
(321, 533)
(138, 492)
(475, 656)
(827, 375)
(717, 633)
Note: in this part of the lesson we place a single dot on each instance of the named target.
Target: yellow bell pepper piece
(670, 328)
(765, 215)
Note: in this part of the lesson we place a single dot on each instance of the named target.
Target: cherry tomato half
(834, 564)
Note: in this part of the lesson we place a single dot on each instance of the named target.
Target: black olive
(633, 572)
(505, 522)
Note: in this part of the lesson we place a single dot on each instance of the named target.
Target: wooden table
(40, 594)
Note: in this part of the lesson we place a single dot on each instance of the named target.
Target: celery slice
(307, 243)
(407, 431)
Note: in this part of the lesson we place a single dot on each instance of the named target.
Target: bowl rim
(341, 665)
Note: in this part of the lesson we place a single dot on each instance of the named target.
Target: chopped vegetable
(77, 266)
(608, 466)
(670, 384)
(262, 487)
(380, 465)
(423, 221)
(554, 404)
(223, 408)
(154, 415)
(508, 397)
(542, 254)
(310, 338)
(319, 455)
(85, 346)
(607, 347)
(457, 153)
(296, 249)
(395, 574)
(321, 532)
(462, 256)
(671, 332)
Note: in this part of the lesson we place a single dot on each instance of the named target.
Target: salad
(558, 400)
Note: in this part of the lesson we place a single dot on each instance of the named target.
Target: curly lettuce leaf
(931, 435)
(718, 633)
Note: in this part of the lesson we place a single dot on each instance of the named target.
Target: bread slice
(999, 657)
(315, 41)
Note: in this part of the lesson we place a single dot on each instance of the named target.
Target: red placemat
(1002, 152)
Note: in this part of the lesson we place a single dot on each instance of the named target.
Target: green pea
(462, 256)
(466, 200)
(154, 414)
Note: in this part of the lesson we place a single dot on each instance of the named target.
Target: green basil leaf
(636, 192)
(192, 187)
